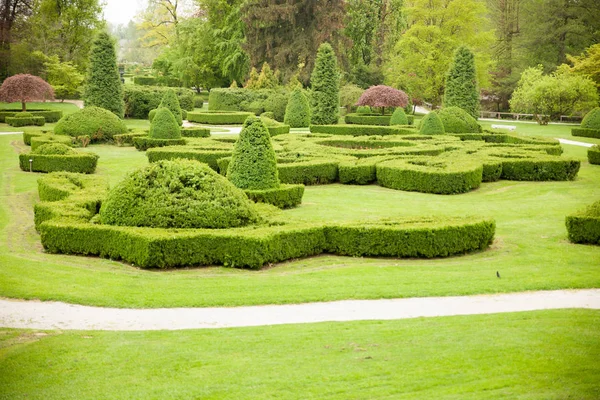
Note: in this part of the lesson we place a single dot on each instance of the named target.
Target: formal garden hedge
(590, 125)
(139, 100)
(68, 223)
(219, 117)
(164, 131)
(594, 155)
(361, 130)
(25, 119)
(39, 140)
(376, 119)
(49, 115)
(51, 157)
(196, 132)
(255, 101)
(584, 225)
(97, 123)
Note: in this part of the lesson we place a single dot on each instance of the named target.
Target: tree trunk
(23, 106)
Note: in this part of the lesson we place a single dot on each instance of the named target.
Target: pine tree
(104, 88)
(461, 83)
(325, 81)
(266, 79)
(170, 101)
(297, 112)
(252, 80)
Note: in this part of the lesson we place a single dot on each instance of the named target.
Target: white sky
(122, 11)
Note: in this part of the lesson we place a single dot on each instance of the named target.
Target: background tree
(104, 88)
(63, 76)
(461, 83)
(11, 12)
(383, 96)
(297, 111)
(325, 81)
(24, 88)
(588, 63)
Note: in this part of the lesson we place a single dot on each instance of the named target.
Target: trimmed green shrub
(54, 149)
(313, 172)
(430, 175)
(275, 128)
(126, 139)
(19, 120)
(104, 88)
(325, 82)
(594, 155)
(457, 120)
(399, 117)
(541, 168)
(28, 135)
(461, 83)
(49, 115)
(164, 125)
(591, 120)
(276, 103)
(143, 143)
(229, 99)
(145, 80)
(297, 112)
(268, 114)
(360, 130)
(139, 100)
(219, 117)
(177, 194)
(253, 164)
(584, 225)
(431, 124)
(591, 133)
(170, 101)
(95, 122)
(284, 196)
(368, 119)
(363, 109)
(209, 157)
(84, 163)
(195, 132)
(40, 140)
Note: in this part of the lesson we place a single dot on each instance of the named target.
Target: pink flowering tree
(24, 88)
(383, 96)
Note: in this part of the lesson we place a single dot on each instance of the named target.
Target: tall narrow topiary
(164, 125)
(297, 112)
(325, 82)
(170, 101)
(461, 83)
(104, 88)
(431, 124)
(253, 163)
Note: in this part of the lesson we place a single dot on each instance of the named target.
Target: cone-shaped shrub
(591, 119)
(461, 83)
(104, 88)
(253, 163)
(399, 117)
(457, 120)
(164, 125)
(297, 112)
(325, 82)
(431, 124)
(171, 102)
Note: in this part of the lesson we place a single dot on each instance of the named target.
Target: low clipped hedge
(126, 139)
(19, 121)
(28, 135)
(143, 143)
(583, 132)
(430, 176)
(594, 155)
(542, 168)
(84, 163)
(584, 225)
(37, 141)
(367, 119)
(139, 100)
(285, 196)
(219, 117)
(278, 129)
(195, 132)
(49, 115)
(361, 130)
(209, 157)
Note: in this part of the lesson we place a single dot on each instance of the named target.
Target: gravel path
(55, 315)
(574, 143)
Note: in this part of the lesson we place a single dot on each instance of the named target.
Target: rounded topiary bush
(591, 119)
(399, 117)
(431, 124)
(177, 194)
(363, 110)
(457, 120)
(253, 163)
(171, 102)
(23, 114)
(95, 122)
(54, 149)
(164, 125)
(297, 112)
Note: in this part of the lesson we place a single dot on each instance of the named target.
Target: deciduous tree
(24, 88)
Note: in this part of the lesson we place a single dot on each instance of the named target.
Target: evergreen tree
(104, 88)
(431, 124)
(252, 80)
(399, 117)
(325, 81)
(461, 83)
(297, 112)
(266, 79)
(171, 102)
(164, 125)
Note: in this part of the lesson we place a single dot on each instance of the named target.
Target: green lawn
(534, 355)
(531, 250)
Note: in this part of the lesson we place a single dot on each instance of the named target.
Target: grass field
(531, 250)
(534, 355)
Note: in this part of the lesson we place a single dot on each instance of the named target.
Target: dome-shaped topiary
(399, 117)
(170, 101)
(297, 112)
(164, 125)
(23, 114)
(457, 120)
(54, 149)
(95, 122)
(431, 124)
(253, 163)
(177, 194)
(363, 110)
(591, 119)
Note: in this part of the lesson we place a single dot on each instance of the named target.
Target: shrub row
(584, 226)
(209, 157)
(25, 121)
(144, 143)
(156, 81)
(195, 132)
(28, 135)
(218, 117)
(285, 196)
(139, 100)
(583, 132)
(84, 163)
(594, 155)
(251, 100)
(49, 115)
(367, 119)
(37, 141)
(126, 139)
(361, 130)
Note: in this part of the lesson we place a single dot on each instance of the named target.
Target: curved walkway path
(55, 315)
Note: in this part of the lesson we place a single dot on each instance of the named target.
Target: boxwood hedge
(36, 141)
(361, 130)
(594, 155)
(49, 115)
(219, 117)
(84, 163)
(18, 121)
(584, 225)
(368, 119)
(583, 132)
(284, 196)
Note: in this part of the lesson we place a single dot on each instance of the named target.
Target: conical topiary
(399, 117)
(170, 101)
(164, 125)
(325, 82)
(297, 112)
(431, 124)
(253, 163)
(461, 83)
(592, 119)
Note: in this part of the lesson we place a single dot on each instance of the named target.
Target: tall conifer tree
(461, 83)
(325, 82)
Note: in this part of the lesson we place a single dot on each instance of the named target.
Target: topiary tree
(431, 124)
(170, 101)
(104, 88)
(253, 163)
(95, 122)
(592, 119)
(164, 125)
(24, 88)
(297, 112)
(457, 120)
(461, 83)
(325, 81)
(399, 117)
(383, 96)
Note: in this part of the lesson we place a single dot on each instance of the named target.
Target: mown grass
(533, 355)
(531, 250)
